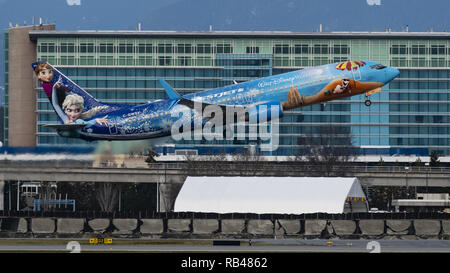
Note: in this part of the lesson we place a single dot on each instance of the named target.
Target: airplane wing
(65, 127)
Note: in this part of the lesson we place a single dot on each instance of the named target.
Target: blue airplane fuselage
(310, 85)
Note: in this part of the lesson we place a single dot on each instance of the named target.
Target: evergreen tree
(434, 159)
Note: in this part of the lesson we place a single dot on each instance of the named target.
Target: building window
(106, 60)
(49, 59)
(145, 61)
(224, 49)
(320, 61)
(106, 48)
(46, 47)
(418, 62)
(184, 48)
(340, 49)
(125, 48)
(164, 60)
(87, 60)
(164, 48)
(301, 61)
(126, 60)
(437, 49)
(340, 59)
(281, 49)
(281, 61)
(418, 49)
(398, 62)
(184, 61)
(252, 50)
(301, 49)
(86, 48)
(145, 48)
(438, 62)
(67, 47)
(204, 48)
(67, 60)
(399, 49)
(204, 61)
(320, 49)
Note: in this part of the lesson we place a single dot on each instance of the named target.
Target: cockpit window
(377, 66)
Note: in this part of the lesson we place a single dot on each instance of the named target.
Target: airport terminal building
(410, 115)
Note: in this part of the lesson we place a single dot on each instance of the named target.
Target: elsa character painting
(73, 106)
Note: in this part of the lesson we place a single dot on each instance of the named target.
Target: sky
(199, 15)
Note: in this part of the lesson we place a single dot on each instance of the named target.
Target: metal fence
(196, 215)
(259, 166)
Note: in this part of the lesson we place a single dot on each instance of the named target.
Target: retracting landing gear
(367, 102)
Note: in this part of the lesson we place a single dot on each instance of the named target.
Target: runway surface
(255, 245)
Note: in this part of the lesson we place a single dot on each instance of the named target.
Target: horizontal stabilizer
(65, 127)
(173, 95)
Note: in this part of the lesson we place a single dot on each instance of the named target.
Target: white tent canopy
(290, 195)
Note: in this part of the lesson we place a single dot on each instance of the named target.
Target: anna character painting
(46, 76)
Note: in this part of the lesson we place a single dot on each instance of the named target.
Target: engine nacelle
(264, 112)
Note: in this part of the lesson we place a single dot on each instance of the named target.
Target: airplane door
(112, 124)
(248, 98)
(356, 72)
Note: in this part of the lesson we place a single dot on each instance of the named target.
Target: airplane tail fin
(57, 86)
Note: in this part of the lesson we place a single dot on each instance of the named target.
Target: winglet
(173, 95)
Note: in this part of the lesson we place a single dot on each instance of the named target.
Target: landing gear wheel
(367, 102)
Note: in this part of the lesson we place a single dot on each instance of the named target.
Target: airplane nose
(391, 73)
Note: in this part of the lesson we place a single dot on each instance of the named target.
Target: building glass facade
(411, 112)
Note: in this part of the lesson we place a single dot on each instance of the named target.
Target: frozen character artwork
(73, 106)
(44, 72)
(46, 76)
(58, 87)
(342, 87)
(294, 99)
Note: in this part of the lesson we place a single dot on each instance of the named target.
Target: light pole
(18, 197)
(407, 188)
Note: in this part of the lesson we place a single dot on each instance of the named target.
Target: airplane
(96, 120)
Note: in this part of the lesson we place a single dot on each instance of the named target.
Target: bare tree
(191, 165)
(151, 156)
(211, 164)
(47, 192)
(107, 194)
(248, 163)
(169, 193)
(84, 193)
(326, 150)
(243, 162)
